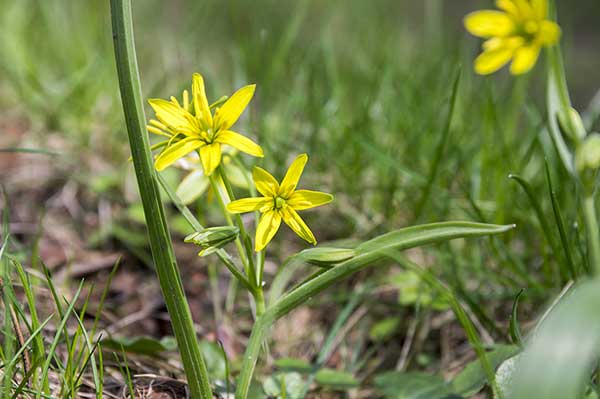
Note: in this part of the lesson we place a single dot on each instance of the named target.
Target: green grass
(366, 89)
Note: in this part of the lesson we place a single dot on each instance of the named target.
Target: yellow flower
(518, 32)
(280, 201)
(192, 127)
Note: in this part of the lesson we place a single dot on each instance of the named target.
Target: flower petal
(492, 60)
(267, 227)
(192, 186)
(200, 101)
(178, 150)
(292, 176)
(488, 23)
(509, 7)
(168, 113)
(549, 33)
(230, 112)
(250, 205)
(524, 59)
(306, 199)
(240, 142)
(210, 155)
(540, 8)
(265, 182)
(292, 219)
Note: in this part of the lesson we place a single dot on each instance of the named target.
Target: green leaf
(413, 385)
(384, 329)
(513, 326)
(505, 375)
(563, 352)
(413, 290)
(428, 234)
(339, 380)
(141, 345)
(290, 383)
(473, 377)
(293, 364)
(215, 362)
(192, 186)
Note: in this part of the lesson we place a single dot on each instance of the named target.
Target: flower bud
(213, 238)
(573, 126)
(587, 160)
(326, 257)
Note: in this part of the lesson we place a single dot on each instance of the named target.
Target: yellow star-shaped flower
(517, 32)
(192, 127)
(280, 202)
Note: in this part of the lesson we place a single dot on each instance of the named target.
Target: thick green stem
(160, 239)
(593, 235)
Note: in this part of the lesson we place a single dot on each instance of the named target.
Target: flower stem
(593, 235)
(160, 239)
(238, 243)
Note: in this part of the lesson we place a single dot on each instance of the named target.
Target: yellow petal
(549, 33)
(306, 199)
(292, 176)
(524, 59)
(292, 219)
(508, 6)
(168, 113)
(178, 150)
(250, 205)
(497, 43)
(265, 182)
(200, 101)
(240, 142)
(492, 60)
(229, 113)
(267, 227)
(526, 11)
(210, 155)
(540, 8)
(488, 23)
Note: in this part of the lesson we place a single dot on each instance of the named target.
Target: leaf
(213, 357)
(472, 378)
(339, 380)
(515, 331)
(293, 364)
(292, 383)
(419, 235)
(558, 360)
(384, 329)
(505, 375)
(413, 385)
(413, 290)
(141, 345)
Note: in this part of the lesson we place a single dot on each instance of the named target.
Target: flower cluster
(191, 128)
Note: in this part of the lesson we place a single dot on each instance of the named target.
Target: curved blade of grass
(561, 227)
(439, 151)
(558, 361)
(513, 325)
(160, 239)
(537, 207)
(368, 254)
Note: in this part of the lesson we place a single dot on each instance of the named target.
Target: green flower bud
(213, 238)
(326, 257)
(587, 160)
(577, 132)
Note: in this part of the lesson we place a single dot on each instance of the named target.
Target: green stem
(238, 243)
(593, 235)
(160, 239)
(243, 234)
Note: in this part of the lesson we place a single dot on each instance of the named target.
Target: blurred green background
(362, 86)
